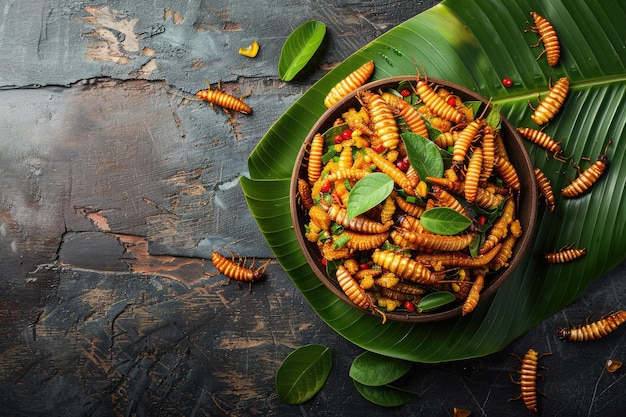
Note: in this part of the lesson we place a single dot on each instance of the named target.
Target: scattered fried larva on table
(547, 35)
(528, 379)
(565, 254)
(544, 140)
(545, 188)
(593, 331)
(236, 269)
(222, 99)
(435, 102)
(552, 103)
(588, 177)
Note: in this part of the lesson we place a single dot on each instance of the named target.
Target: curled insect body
(395, 173)
(352, 81)
(528, 379)
(588, 177)
(381, 119)
(222, 99)
(544, 140)
(236, 270)
(547, 35)
(314, 166)
(545, 188)
(593, 331)
(472, 176)
(404, 267)
(435, 103)
(552, 103)
(487, 199)
(404, 109)
(355, 293)
(505, 253)
(463, 142)
(507, 172)
(359, 223)
(388, 210)
(304, 191)
(565, 254)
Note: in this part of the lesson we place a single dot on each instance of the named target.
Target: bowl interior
(526, 206)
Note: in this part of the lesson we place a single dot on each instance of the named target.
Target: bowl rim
(521, 158)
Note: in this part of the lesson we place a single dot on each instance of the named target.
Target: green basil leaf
(299, 48)
(385, 395)
(372, 369)
(444, 221)
(493, 118)
(423, 155)
(368, 192)
(434, 300)
(303, 373)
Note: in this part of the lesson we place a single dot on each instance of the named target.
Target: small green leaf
(434, 300)
(385, 395)
(299, 47)
(368, 192)
(303, 373)
(372, 369)
(493, 118)
(423, 155)
(444, 221)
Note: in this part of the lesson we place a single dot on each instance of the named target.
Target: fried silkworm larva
(222, 99)
(565, 254)
(595, 330)
(552, 103)
(472, 176)
(547, 35)
(437, 104)
(528, 379)
(414, 210)
(388, 210)
(403, 267)
(456, 260)
(352, 81)
(487, 199)
(474, 294)
(507, 173)
(415, 240)
(544, 140)
(382, 121)
(545, 188)
(463, 142)
(395, 173)
(588, 177)
(358, 223)
(236, 270)
(404, 109)
(314, 166)
(355, 293)
(448, 200)
(504, 254)
(500, 227)
(304, 190)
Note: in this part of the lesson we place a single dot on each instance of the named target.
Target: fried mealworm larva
(472, 176)
(355, 293)
(435, 102)
(415, 240)
(314, 166)
(382, 121)
(359, 223)
(236, 270)
(545, 188)
(565, 254)
(588, 177)
(474, 294)
(464, 140)
(507, 172)
(544, 140)
(552, 103)
(352, 81)
(403, 267)
(404, 109)
(305, 194)
(528, 379)
(595, 330)
(395, 173)
(222, 99)
(547, 35)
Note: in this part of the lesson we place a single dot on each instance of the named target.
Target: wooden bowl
(526, 207)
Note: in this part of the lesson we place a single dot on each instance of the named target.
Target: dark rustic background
(113, 194)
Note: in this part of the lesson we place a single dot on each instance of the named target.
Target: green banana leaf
(477, 44)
